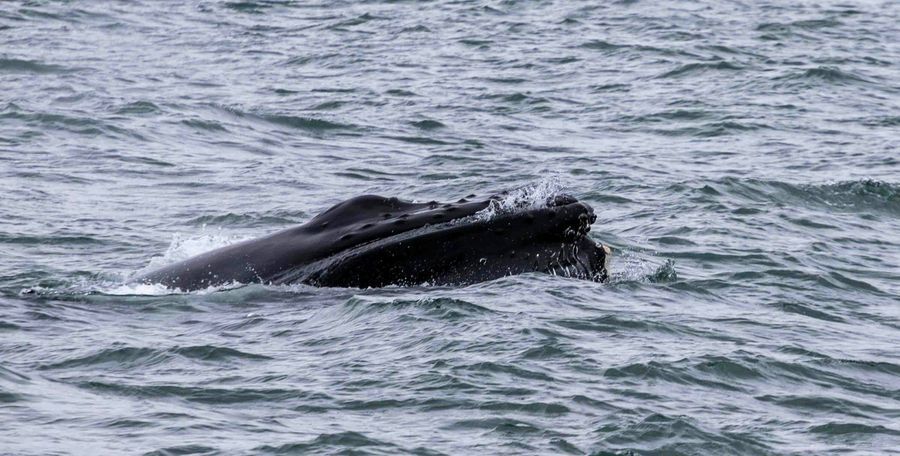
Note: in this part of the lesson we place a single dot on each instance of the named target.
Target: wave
(198, 394)
(828, 74)
(693, 68)
(54, 121)
(440, 308)
(31, 66)
(303, 123)
(428, 124)
(142, 357)
(309, 124)
(657, 433)
(856, 195)
(612, 48)
(255, 7)
(809, 24)
(174, 450)
(339, 442)
(138, 108)
(712, 129)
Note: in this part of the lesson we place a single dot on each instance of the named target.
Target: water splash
(183, 247)
(156, 289)
(533, 196)
(631, 267)
(135, 289)
(664, 273)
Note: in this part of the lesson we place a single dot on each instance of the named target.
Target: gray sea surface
(743, 159)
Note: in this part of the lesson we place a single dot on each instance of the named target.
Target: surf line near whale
(373, 241)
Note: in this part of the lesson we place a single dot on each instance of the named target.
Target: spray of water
(631, 267)
(182, 247)
(533, 196)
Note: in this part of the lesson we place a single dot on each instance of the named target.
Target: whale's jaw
(552, 240)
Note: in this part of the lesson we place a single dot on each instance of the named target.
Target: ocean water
(743, 159)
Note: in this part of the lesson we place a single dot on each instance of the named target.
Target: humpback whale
(373, 241)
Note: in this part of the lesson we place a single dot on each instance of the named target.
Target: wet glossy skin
(372, 241)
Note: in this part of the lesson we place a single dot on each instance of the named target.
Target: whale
(373, 241)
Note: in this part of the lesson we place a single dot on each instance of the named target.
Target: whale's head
(373, 241)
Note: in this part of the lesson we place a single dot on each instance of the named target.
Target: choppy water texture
(742, 159)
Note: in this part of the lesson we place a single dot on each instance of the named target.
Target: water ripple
(740, 158)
